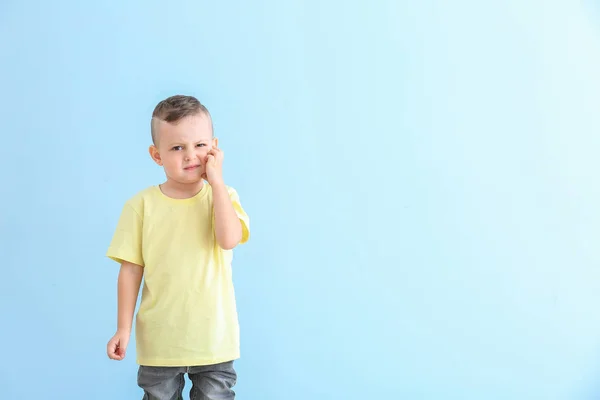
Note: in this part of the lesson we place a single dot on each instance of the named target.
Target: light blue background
(421, 178)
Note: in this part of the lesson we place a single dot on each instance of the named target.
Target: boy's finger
(112, 355)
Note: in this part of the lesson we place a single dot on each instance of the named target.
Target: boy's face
(181, 148)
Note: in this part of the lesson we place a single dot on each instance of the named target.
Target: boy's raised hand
(117, 346)
(214, 166)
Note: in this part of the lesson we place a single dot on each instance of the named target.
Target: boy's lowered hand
(117, 346)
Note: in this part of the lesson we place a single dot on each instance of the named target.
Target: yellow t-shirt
(187, 314)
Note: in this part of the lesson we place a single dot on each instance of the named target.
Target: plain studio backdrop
(421, 178)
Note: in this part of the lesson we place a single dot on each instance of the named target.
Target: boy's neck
(178, 190)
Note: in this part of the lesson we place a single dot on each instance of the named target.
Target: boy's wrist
(126, 331)
(216, 183)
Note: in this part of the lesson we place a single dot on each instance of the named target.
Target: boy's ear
(155, 154)
(215, 142)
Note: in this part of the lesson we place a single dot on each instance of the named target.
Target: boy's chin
(190, 181)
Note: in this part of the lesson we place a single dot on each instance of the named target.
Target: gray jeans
(209, 382)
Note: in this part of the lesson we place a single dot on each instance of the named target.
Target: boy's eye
(177, 148)
(201, 145)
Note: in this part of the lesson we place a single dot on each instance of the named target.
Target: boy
(179, 237)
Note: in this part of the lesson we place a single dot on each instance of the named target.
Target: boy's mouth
(191, 167)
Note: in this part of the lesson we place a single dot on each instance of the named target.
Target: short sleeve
(244, 219)
(126, 244)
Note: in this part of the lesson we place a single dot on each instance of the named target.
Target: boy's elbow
(230, 240)
(229, 243)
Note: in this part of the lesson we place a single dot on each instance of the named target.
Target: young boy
(179, 237)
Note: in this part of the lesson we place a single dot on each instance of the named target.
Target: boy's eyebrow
(182, 143)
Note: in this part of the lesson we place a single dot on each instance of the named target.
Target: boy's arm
(130, 278)
(228, 227)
